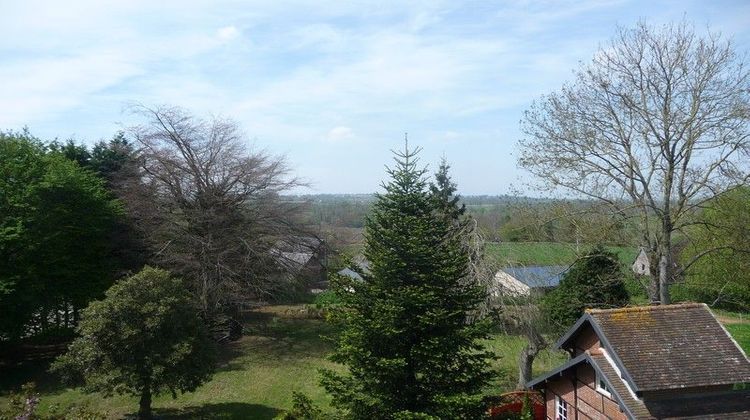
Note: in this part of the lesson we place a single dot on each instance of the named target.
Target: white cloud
(340, 133)
(227, 33)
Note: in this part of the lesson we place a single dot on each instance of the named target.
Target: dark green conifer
(406, 342)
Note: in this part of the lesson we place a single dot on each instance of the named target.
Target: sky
(332, 85)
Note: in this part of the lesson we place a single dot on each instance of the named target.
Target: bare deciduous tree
(654, 126)
(219, 209)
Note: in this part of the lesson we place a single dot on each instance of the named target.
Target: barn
(529, 280)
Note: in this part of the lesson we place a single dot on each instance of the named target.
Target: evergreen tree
(449, 206)
(406, 341)
(594, 281)
(444, 193)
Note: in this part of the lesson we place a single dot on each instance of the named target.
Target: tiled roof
(633, 406)
(671, 346)
(728, 405)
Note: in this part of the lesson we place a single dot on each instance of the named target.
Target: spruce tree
(406, 342)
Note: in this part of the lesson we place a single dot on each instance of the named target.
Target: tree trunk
(653, 288)
(665, 261)
(528, 354)
(144, 411)
(665, 269)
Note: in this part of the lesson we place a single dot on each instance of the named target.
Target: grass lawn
(547, 253)
(741, 333)
(280, 353)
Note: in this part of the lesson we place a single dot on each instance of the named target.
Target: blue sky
(333, 85)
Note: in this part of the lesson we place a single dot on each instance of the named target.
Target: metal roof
(538, 275)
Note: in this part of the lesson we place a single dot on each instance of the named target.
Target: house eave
(564, 341)
(584, 357)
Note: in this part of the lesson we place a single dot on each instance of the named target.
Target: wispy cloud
(304, 77)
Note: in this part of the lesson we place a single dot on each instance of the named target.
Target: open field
(547, 253)
(741, 333)
(280, 353)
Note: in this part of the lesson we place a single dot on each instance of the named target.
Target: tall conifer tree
(406, 341)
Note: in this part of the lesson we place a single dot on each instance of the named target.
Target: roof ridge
(648, 308)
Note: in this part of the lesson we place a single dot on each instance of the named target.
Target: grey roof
(360, 263)
(348, 272)
(538, 275)
(294, 252)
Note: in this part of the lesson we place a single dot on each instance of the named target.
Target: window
(561, 408)
(601, 386)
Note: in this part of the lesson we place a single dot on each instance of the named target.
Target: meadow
(281, 352)
(547, 253)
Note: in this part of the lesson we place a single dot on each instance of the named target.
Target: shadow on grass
(219, 411)
(29, 363)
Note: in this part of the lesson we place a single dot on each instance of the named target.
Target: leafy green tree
(593, 281)
(55, 226)
(409, 349)
(719, 256)
(144, 338)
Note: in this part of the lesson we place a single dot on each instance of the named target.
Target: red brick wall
(560, 387)
(590, 404)
(586, 340)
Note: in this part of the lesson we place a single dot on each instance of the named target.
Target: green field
(741, 333)
(547, 253)
(280, 353)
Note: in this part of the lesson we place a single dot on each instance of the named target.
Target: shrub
(594, 281)
(144, 338)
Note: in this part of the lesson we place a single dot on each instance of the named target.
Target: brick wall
(579, 391)
(586, 340)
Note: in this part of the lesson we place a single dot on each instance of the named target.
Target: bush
(326, 299)
(302, 409)
(594, 281)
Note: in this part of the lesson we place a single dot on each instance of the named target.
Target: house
(361, 264)
(302, 259)
(523, 281)
(650, 362)
(642, 265)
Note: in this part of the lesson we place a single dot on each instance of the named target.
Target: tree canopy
(49, 208)
(144, 338)
(721, 277)
(653, 127)
(214, 208)
(593, 281)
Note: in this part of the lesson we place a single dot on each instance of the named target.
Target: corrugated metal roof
(538, 276)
